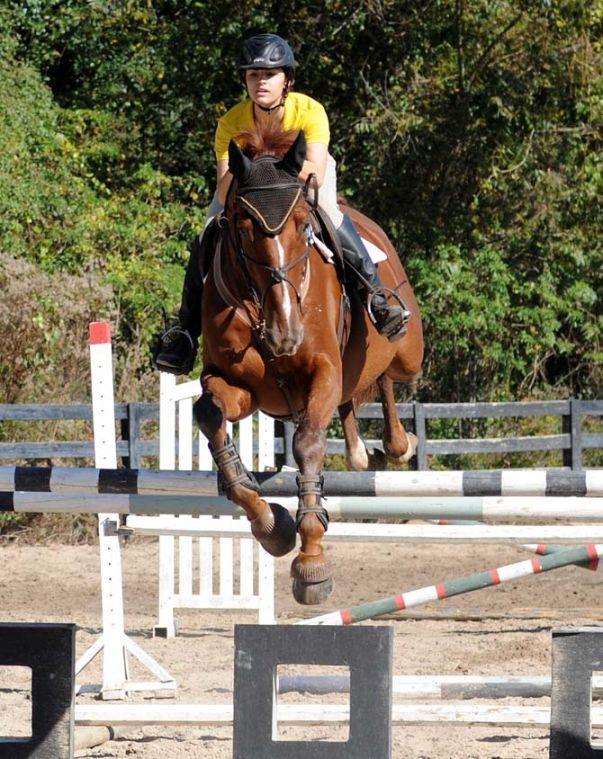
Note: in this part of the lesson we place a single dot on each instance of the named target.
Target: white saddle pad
(374, 252)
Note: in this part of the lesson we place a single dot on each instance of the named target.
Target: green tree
(470, 131)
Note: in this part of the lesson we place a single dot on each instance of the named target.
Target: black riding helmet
(267, 51)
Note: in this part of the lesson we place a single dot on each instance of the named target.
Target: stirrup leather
(231, 470)
(311, 484)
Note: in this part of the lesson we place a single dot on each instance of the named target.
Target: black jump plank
(367, 651)
(49, 651)
(577, 653)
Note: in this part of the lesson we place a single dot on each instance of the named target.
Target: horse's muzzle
(284, 344)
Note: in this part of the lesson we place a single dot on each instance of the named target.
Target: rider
(268, 67)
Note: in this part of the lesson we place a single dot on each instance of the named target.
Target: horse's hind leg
(271, 524)
(399, 445)
(357, 456)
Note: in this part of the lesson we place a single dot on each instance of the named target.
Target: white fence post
(176, 449)
(165, 627)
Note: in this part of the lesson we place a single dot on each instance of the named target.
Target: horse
(274, 339)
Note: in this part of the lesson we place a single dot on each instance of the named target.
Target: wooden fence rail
(133, 448)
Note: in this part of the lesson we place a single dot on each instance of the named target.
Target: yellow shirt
(301, 112)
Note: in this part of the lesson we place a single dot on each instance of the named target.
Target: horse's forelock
(267, 139)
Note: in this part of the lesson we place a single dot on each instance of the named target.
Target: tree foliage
(471, 131)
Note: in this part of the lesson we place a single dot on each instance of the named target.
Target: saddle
(326, 233)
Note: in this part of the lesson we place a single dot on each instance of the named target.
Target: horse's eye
(246, 230)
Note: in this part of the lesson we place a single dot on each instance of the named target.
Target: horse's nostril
(284, 344)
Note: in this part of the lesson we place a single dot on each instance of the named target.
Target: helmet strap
(272, 108)
(286, 89)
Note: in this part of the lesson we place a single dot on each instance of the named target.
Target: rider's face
(265, 86)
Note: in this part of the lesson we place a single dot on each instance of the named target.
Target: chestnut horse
(272, 321)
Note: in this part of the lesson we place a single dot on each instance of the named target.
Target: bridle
(278, 274)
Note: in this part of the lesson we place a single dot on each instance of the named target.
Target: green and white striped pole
(457, 587)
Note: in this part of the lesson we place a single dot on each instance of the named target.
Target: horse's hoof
(413, 442)
(312, 580)
(312, 593)
(377, 461)
(279, 538)
(409, 452)
(363, 460)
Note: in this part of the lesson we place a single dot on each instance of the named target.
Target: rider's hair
(289, 82)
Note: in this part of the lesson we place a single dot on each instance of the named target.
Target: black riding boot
(178, 345)
(390, 320)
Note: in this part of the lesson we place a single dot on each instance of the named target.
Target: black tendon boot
(178, 345)
(389, 319)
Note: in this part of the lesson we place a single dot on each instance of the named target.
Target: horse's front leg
(271, 524)
(312, 578)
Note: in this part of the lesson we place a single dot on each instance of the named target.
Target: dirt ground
(496, 631)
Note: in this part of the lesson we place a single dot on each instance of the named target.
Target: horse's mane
(267, 139)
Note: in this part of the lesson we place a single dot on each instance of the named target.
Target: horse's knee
(208, 414)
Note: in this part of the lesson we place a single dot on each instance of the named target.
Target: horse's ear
(294, 158)
(238, 163)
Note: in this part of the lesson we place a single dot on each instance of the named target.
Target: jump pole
(447, 510)
(540, 548)
(458, 586)
(435, 686)
(136, 715)
(338, 531)
(281, 484)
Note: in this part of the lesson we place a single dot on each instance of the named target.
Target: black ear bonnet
(268, 187)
